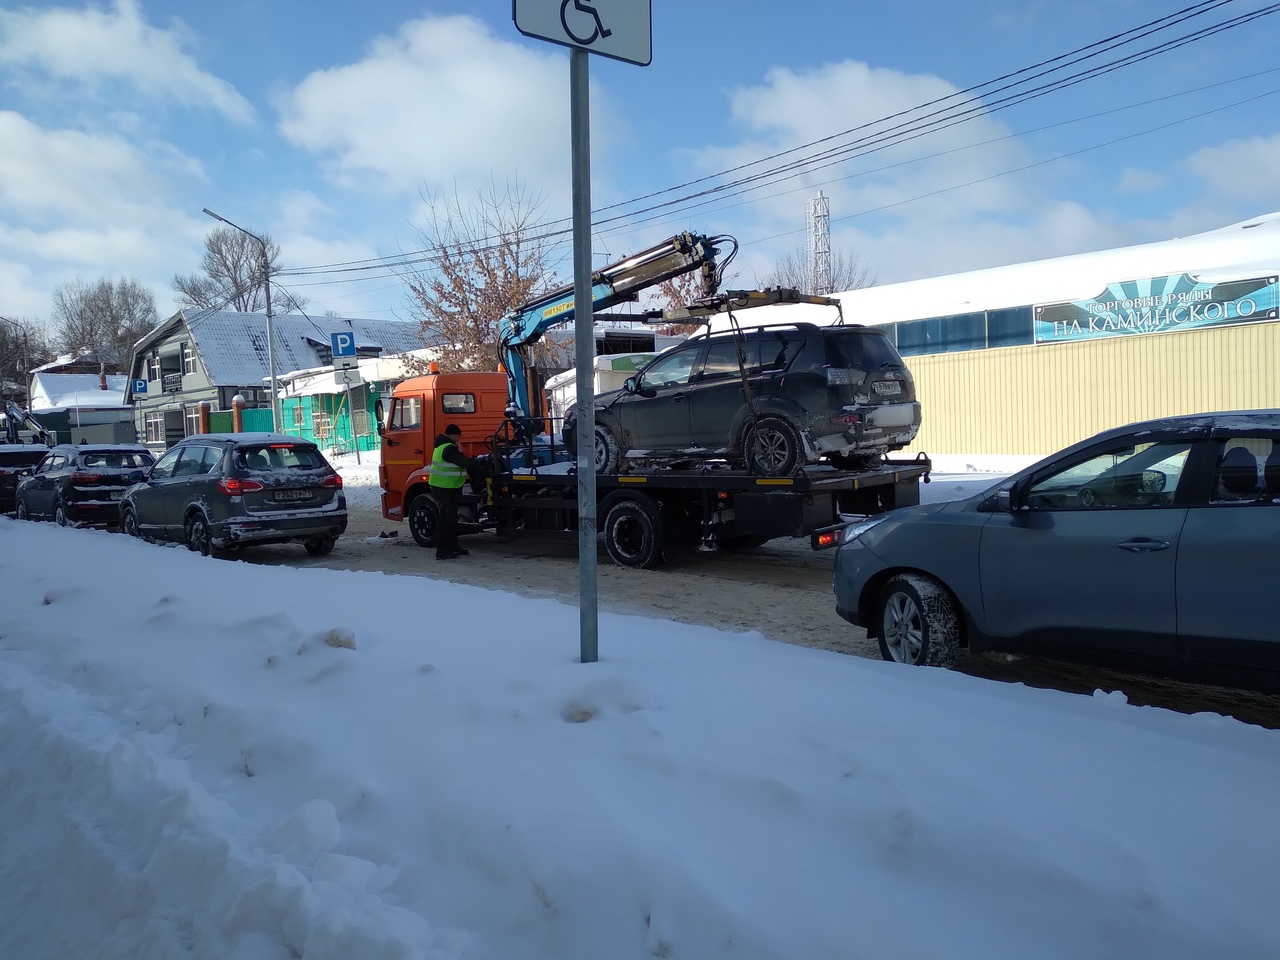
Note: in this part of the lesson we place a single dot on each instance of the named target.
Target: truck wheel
(424, 514)
(633, 534)
(773, 447)
(918, 622)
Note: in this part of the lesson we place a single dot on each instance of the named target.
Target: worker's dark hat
(453, 430)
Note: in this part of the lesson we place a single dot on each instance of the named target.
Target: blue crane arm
(619, 282)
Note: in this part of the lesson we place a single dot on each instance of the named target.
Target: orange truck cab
(420, 410)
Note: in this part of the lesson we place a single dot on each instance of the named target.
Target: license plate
(887, 388)
(293, 495)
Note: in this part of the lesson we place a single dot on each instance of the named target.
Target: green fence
(254, 421)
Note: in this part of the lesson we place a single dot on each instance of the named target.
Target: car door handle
(677, 397)
(419, 452)
(392, 443)
(1143, 545)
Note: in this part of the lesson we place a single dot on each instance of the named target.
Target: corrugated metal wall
(1038, 399)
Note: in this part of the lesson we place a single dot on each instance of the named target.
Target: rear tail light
(234, 486)
(333, 481)
(83, 478)
(847, 418)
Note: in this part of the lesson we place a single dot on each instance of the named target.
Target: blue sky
(325, 123)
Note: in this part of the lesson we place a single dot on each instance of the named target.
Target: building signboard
(1158, 305)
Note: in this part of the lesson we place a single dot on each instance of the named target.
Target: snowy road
(782, 590)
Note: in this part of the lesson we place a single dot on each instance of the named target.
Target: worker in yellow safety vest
(449, 467)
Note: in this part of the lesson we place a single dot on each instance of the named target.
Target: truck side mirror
(380, 414)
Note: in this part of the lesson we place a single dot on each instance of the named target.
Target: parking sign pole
(584, 348)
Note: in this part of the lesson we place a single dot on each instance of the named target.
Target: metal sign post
(621, 29)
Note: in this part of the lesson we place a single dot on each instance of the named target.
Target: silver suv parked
(219, 492)
(770, 399)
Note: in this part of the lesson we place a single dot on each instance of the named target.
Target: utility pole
(271, 340)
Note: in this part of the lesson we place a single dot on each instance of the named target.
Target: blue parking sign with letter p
(344, 344)
(139, 386)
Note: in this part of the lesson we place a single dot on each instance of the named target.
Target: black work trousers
(449, 499)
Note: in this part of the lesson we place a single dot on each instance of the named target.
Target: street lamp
(266, 286)
(26, 357)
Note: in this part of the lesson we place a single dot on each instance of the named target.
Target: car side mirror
(136, 476)
(1012, 498)
(629, 385)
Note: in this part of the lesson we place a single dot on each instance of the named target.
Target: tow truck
(528, 485)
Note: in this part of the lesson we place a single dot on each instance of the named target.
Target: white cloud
(443, 102)
(1135, 180)
(1242, 169)
(92, 45)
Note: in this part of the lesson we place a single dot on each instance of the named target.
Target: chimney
(102, 378)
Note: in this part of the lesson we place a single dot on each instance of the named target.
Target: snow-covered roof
(82, 391)
(1247, 249)
(233, 346)
(320, 380)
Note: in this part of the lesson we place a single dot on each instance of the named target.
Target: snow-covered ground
(202, 758)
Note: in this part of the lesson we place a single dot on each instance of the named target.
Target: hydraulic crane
(619, 282)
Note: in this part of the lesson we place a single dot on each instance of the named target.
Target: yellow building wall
(1038, 399)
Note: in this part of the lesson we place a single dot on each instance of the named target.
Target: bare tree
(232, 275)
(106, 318)
(678, 293)
(847, 273)
(486, 257)
(24, 345)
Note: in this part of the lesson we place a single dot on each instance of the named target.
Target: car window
(1137, 475)
(164, 466)
(670, 370)
(406, 414)
(768, 352)
(117, 459)
(1247, 470)
(860, 350)
(194, 461)
(278, 456)
(55, 461)
(212, 457)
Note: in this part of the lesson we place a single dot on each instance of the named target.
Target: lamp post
(271, 343)
(26, 357)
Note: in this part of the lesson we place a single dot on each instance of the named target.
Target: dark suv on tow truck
(770, 399)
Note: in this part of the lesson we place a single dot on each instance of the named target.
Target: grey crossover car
(81, 484)
(220, 492)
(770, 399)
(1154, 546)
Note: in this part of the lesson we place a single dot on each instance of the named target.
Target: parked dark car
(80, 484)
(1154, 546)
(770, 399)
(17, 460)
(220, 492)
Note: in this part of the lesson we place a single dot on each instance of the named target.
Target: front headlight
(855, 530)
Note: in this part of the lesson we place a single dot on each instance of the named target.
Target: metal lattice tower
(819, 209)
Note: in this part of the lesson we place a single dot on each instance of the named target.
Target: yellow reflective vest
(444, 474)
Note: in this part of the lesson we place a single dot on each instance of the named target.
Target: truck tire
(773, 448)
(918, 622)
(633, 534)
(423, 515)
(607, 449)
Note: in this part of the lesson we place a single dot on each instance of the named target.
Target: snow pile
(203, 758)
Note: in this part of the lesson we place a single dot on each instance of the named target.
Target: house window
(193, 421)
(154, 367)
(155, 427)
(188, 359)
(297, 415)
(321, 425)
